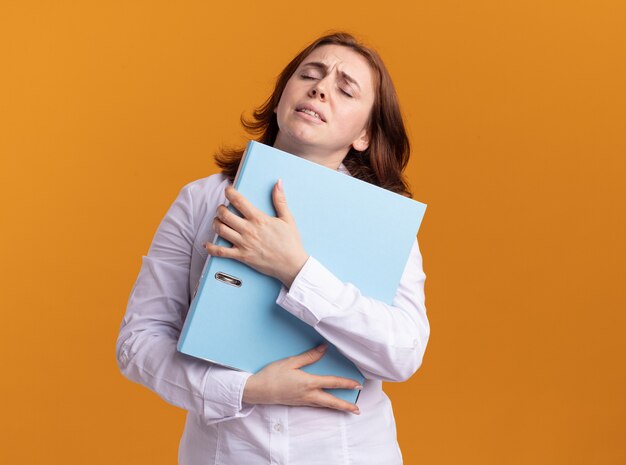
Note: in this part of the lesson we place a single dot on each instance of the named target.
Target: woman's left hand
(268, 244)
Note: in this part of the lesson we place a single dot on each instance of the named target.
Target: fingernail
(280, 185)
(321, 347)
(356, 412)
(358, 388)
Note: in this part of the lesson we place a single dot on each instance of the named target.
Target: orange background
(517, 114)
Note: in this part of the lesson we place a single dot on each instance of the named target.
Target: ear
(363, 142)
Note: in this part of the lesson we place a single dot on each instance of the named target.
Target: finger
(336, 382)
(226, 232)
(243, 205)
(308, 357)
(325, 399)
(219, 251)
(280, 201)
(230, 219)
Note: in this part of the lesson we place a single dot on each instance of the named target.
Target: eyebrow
(324, 67)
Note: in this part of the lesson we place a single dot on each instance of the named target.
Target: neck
(330, 160)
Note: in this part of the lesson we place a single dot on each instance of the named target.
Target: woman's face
(325, 107)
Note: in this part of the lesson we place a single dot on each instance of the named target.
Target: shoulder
(202, 196)
(209, 186)
(209, 190)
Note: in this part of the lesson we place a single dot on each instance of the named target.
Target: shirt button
(278, 427)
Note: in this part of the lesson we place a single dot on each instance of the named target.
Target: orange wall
(517, 113)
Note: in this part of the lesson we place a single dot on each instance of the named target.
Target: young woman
(333, 104)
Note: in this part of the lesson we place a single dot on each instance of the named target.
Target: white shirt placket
(278, 422)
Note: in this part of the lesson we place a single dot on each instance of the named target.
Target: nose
(317, 90)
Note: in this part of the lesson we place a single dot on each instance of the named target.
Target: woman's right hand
(283, 382)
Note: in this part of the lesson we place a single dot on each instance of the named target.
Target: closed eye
(312, 78)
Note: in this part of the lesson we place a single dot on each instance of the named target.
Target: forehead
(345, 60)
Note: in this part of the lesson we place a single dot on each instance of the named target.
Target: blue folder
(360, 232)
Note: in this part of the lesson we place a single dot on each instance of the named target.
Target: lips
(311, 111)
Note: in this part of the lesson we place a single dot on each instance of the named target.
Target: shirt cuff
(223, 394)
(313, 295)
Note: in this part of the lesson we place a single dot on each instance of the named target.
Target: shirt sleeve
(146, 345)
(385, 342)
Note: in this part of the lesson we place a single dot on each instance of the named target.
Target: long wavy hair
(381, 164)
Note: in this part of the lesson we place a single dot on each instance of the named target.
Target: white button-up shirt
(386, 342)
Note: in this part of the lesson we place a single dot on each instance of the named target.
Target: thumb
(309, 357)
(280, 201)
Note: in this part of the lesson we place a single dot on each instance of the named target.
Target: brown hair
(388, 152)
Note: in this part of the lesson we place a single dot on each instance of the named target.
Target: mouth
(311, 112)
